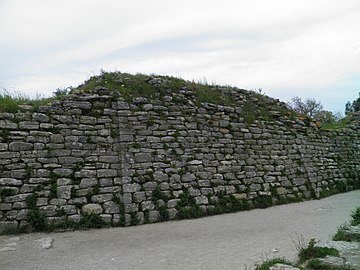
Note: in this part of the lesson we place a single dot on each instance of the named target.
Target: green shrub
(263, 201)
(267, 264)
(157, 194)
(311, 251)
(35, 216)
(355, 217)
(164, 213)
(190, 212)
(92, 221)
(6, 192)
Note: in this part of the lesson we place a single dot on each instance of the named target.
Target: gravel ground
(231, 241)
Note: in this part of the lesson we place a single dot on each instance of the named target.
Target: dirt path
(221, 242)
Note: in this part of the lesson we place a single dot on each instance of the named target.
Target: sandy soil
(231, 241)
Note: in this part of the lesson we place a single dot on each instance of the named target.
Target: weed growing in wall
(6, 192)
(36, 218)
(159, 195)
(4, 135)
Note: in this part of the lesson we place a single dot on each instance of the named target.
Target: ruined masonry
(163, 158)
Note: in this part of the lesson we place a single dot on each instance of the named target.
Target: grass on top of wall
(11, 102)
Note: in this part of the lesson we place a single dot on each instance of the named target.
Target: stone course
(146, 160)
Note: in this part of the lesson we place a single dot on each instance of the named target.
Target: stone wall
(95, 154)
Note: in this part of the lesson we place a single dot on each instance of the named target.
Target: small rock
(46, 242)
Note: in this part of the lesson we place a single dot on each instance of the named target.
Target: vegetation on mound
(153, 87)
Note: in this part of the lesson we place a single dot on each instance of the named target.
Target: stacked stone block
(146, 160)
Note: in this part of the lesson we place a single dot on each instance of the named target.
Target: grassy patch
(337, 124)
(132, 86)
(267, 264)
(311, 252)
(10, 102)
(206, 93)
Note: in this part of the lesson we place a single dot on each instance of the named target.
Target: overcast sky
(288, 48)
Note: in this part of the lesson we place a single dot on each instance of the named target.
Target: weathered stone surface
(188, 177)
(101, 198)
(92, 208)
(107, 173)
(280, 266)
(201, 200)
(88, 182)
(111, 208)
(10, 182)
(332, 261)
(143, 157)
(45, 243)
(64, 192)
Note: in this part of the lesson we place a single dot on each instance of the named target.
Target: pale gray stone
(46, 242)
(280, 266)
(64, 192)
(188, 177)
(10, 182)
(101, 198)
(20, 146)
(110, 208)
(88, 182)
(201, 200)
(92, 208)
(107, 173)
(333, 261)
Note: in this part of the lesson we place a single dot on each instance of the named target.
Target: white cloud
(305, 46)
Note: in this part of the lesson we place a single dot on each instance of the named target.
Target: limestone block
(201, 200)
(88, 182)
(92, 208)
(10, 182)
(188, 177)
(280, 266)
(102, 173)
(64, 192)
(111, 207)
(20, 146)
(101, 198)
